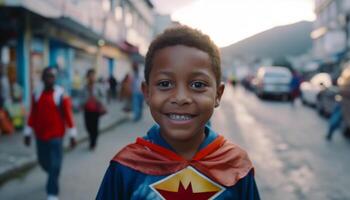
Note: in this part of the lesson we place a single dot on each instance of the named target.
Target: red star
(187, 194)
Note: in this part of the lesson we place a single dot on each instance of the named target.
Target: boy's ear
(219, 92)
(145, 91)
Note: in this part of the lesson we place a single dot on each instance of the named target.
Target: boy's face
(182, 92)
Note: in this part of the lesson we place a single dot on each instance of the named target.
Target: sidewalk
(16, 158)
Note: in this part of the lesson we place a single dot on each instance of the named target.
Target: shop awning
(128, 47)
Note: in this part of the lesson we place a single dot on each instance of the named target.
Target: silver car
(273, 81)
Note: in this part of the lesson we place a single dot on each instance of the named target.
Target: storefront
(36, 63)
(107, 67)
(83, 61)
(9, 51)
(61, 56)
(112, 62)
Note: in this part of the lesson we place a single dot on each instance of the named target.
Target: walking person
(137, 96)
(112, 90)
(76, 90)
(51, 112)
(335, 120)
(294, 86)
(126, 93)
(93, 107)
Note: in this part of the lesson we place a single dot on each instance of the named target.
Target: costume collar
(221, 161)
(154, 136)
(217, 143)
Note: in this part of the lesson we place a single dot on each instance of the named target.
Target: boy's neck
(186, 149)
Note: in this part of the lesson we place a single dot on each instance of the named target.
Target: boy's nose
(181, 97)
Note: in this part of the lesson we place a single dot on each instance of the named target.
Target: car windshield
(276, 75)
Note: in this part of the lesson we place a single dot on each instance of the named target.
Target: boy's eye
(164, 84)
(198, 85)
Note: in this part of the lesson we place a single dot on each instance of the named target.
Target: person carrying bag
(93, 107)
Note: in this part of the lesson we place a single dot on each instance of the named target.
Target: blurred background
(285, 65)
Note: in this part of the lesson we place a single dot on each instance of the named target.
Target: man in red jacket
(51, 113)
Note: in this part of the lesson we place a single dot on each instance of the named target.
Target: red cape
(222, 161)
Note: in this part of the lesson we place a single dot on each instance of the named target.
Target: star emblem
(187, 184)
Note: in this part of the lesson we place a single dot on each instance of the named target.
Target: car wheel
(346, 132)
(303, 101)
(260, 95)
(319, 108)
(284, 97)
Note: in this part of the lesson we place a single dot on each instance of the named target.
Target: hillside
(276, 43)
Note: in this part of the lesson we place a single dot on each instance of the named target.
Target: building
(73, 35)
(331, 32)
(138, 21)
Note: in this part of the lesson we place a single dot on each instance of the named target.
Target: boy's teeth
(179, 117)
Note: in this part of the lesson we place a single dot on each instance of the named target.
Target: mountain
(275, 43)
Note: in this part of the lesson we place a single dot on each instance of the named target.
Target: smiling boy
(181, 157)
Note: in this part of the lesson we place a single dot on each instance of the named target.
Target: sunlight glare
(228, 21)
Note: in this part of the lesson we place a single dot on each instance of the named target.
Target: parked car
(344, 90)
(327, 100)
(273, 81)
(310, 89)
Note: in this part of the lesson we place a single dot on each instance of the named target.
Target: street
(286, 144)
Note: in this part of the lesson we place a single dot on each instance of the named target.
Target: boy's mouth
(180, 117)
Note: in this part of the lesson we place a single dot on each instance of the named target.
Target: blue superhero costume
(150, 169)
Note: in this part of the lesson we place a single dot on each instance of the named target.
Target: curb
(25, 167)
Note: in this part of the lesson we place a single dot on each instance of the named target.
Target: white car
(310, 89)
(273, 81)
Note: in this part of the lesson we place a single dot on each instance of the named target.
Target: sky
(229, 21)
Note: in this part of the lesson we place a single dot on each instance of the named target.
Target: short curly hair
(184, 35)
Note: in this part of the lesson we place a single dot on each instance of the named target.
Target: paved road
(286, 144)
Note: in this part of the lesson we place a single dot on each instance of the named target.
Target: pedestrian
(126, 93)
(93, 107)
(76, 90)
(137, 96)
(112, 90)
(294, 86)
(51, 112)
(181, 157)
(335, 120)
(76, 83)
(233, 80)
